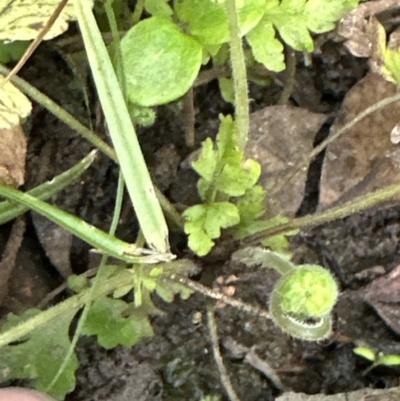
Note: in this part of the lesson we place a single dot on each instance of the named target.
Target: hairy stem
(356, 205)
(239, 75)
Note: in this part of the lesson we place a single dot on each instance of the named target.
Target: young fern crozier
(303, 298)
(302, 301)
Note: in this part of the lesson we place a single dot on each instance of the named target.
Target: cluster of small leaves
(34, 358)
(224, 173)
(162, 59)
(302, 299)
(377, 358)
(111, 319)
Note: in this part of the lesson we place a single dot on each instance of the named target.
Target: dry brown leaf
(12, 156)
(357, 30)
(279, 138)
(383, 294)
(364, 158)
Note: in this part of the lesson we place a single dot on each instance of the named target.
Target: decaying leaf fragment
(364, 158)
(383, 294)
(356, 29)
(12, 156)
(23, 19)
(13, 107)
(279, 138)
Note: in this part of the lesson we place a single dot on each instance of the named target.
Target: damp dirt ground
(177, 364)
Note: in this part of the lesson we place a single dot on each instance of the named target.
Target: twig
(210, 293)
(356, 205)
(289, 76)
(33, 46)
(223, 374)
(206, 76)
(9, 257)
(189, 118)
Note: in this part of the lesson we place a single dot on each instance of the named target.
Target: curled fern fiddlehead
(302, 301)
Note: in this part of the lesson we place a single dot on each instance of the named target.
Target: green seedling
(303, 298)
(377, 358)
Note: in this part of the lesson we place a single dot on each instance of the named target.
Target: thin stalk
(223, 373)
(239, 76)
(117, 58)
(137, 13)
(356, 205)
(33, 46)
(95, 284)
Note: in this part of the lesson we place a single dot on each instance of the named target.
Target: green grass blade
(9, 210)
(107, 244)
(122, 133)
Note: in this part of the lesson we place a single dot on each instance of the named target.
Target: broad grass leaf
(23, 19)
(12, 51)
(160, 61)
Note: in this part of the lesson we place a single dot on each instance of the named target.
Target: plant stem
(223, 373)
(239, 75)
(219, 296)
(117, 57)
(356, 205)
(137, 13)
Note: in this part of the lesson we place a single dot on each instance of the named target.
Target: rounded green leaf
(365, 352)
(207, 20)
(160, 62)
(310, 291)
(389, 360)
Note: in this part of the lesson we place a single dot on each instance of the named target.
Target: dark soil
(177, 363)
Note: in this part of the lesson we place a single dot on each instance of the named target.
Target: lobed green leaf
(105, 320)
(207, 21)
(37, 359)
